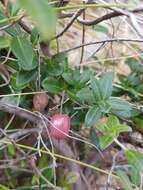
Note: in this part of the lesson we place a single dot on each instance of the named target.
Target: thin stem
(62, 157)
(100, 5)
(120, 144)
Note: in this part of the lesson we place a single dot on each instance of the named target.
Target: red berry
(60, 126)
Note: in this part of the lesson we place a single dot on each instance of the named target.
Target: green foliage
(88, 95)
(52, 85)
(120, 107)
(135, 159)
(110, 131)
(25, 77)
(43, 15)
(94, 138)
(92, 116)
(22, 49)
(135, 65)
(11, 149)
(2, 187)
(125, 180)
(4, 42)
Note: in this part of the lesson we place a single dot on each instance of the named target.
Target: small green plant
(60, 101)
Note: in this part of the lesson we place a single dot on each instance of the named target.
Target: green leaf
(2, 187)
(106, 140)
(72, 95)
(135, 65)
(135, 158)
(112, 121)
(110, 130)
(92, 116)
(13, 30)
(125, 180)
(72, 77)
(85, 76)
(86, 95)
(14, 84)
(53, 68)
(138, 121)
(22, 49)
(120, 107)
(34, 36)
(25, 188)
(43, 15)
(13, 100)
(121, 128)
(119, 104)
(106, 85)
(115, 127)
(94, 138)
(4, 42)
(100, 28)
(135, 175)
(24, 77)
(68, 77)
(52, 85)
(95, 85)
(11, 149)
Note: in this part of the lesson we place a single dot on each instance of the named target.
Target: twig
(74, 17)
(83, 39)
(104, 41)
(107, 17)
(23, 113)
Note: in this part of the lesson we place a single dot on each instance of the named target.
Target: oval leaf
(92, 116)
(22, 49)
(52, 85)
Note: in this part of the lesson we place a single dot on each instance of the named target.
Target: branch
(107, 17)
(23, 113)
(74, 17)
(102, 42)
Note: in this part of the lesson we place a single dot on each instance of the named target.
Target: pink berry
(60, 126)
